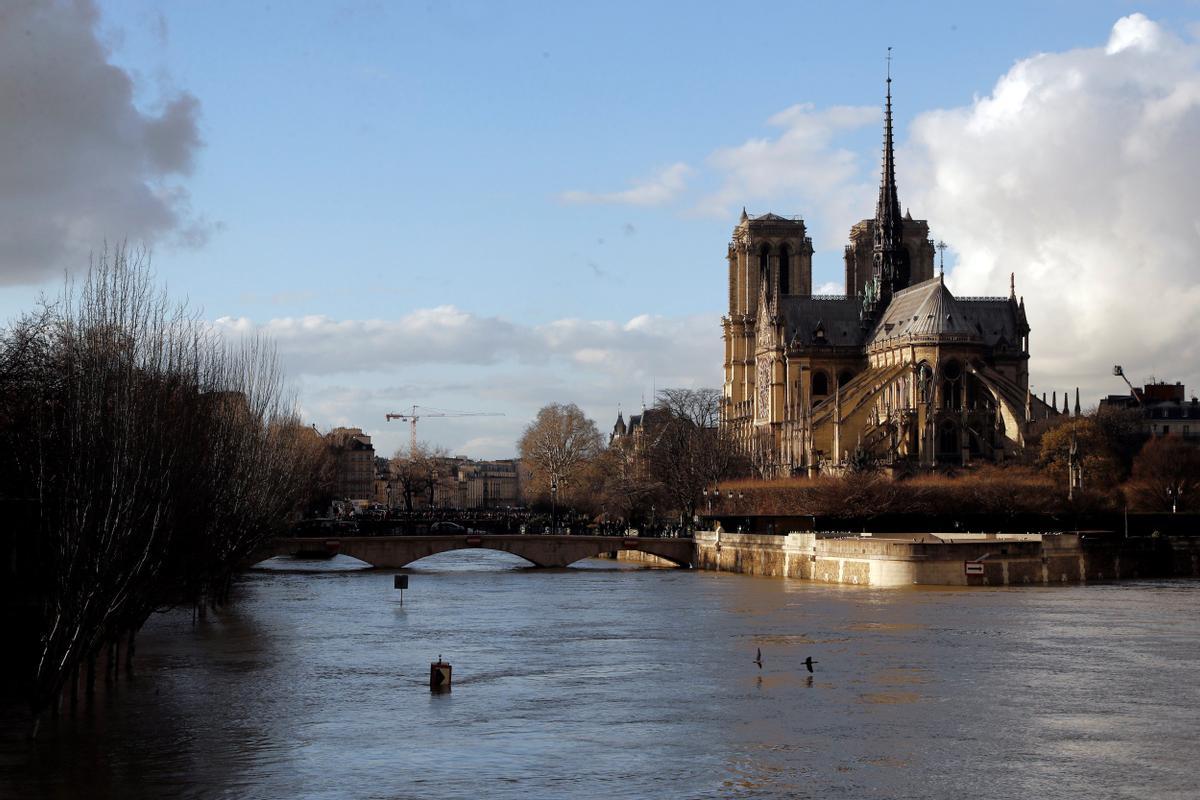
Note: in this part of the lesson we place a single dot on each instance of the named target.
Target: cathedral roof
(928, 309)
(835, 317)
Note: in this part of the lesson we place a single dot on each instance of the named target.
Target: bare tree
(1166, 476)
(145, 459)
(626, 490)
(417, 471)
(556, 447)
(686, 447)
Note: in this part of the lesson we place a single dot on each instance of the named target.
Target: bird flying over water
(758, 658)
(808, 662)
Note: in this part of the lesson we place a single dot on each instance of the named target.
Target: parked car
(447, 527)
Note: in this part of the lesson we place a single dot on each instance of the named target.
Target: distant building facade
(1164, 408)
(636, 437)
(461, 483)
(355, 463)
(896, 370)
(478, 485)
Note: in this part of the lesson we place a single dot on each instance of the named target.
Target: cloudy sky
(490, 206)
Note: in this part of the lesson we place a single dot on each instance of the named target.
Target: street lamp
(554, 505)
(1174, 492)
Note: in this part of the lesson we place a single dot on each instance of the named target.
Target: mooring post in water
(439, 676)
(400, 582)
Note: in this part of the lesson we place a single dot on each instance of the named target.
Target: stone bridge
(393, 552)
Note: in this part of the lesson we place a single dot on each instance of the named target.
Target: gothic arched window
(925, 383)
(784, 270)
(844, 377)
(951, 387)
(820, 384)
(764, 259)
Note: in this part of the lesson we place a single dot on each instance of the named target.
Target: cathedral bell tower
(765, 252)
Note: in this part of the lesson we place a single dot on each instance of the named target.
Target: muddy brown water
(605, 681)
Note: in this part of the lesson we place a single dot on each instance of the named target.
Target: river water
(606, 681)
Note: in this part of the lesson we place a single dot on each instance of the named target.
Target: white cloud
(79, 162)
(322, 345)
(345, 370)
(1079, 173)
(802, 171)
(660, 188)
(446, 335)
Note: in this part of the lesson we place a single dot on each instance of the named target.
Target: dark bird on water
(808, 662)
(758, 659)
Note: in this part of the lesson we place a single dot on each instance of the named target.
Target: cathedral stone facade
(896, 371)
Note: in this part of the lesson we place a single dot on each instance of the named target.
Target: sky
(487, 207)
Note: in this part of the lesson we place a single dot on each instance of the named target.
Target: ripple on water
(618, 683)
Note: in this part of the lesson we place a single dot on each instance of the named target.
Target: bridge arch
(395, 552)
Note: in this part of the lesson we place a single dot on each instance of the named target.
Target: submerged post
(439, 676)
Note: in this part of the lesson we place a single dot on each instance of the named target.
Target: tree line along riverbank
(142, 459)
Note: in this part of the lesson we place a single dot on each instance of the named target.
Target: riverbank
(948, 559)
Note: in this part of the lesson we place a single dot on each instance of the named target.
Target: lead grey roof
(837, 316)
(929, 309)
(926, 309)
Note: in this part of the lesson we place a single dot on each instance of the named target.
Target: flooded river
(605, 681)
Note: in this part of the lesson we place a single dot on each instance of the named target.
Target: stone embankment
(947, 559)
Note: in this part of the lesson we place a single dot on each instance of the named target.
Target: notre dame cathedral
(898, 371)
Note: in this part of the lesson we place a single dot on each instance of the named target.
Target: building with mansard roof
(895, 371)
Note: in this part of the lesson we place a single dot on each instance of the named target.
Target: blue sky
(430, 202)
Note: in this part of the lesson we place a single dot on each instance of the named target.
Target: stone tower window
(784, 270)
(820, 384)
(764, 259)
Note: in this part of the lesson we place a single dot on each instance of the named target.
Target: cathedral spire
(887, 208)
(890, 271)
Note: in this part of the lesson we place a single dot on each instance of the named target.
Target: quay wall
(932, 560)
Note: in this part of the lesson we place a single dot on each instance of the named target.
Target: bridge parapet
(394, 552)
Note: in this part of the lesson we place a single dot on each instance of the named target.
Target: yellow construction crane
(420, 412)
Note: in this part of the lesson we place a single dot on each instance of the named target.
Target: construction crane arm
(412, 418)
